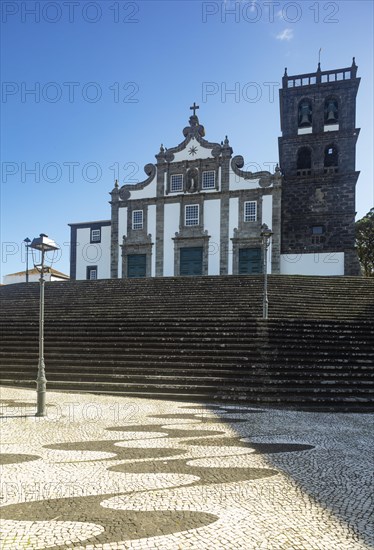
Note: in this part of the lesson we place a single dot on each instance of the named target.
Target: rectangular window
(209, 180)
(318, 234)
(137, 219)
(91, 273)
(192, 214)
(176, 183)
(95, 236)
(250, 211)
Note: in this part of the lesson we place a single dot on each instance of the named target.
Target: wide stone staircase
(198, 338)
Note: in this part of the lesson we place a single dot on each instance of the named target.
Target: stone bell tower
(317, 152)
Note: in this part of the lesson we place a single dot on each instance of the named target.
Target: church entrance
(250, 261)
(136, 265)
(191, 261)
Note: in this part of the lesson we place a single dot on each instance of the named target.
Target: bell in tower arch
(331, 111)
(305, 113)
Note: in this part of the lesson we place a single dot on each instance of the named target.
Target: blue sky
(91, 89)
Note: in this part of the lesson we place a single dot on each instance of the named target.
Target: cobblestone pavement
(115, 473)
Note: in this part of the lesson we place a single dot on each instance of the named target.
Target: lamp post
(43, 244)
(27, 246)
(266, 235)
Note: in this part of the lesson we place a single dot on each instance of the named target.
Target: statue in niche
(192, 180)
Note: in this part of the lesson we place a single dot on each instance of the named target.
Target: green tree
(365, 243)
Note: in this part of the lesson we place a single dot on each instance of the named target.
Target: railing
(319, 77)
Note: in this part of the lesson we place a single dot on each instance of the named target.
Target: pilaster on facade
(114, 244)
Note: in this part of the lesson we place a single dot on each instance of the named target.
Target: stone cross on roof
(194, 108)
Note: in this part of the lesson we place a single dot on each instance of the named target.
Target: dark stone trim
(265, 178)
(224, 234)
(73, 252)
(94, 224)
(114, 244)
(160, 216)
(276, 226)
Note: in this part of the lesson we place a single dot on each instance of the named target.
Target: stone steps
(200, 338)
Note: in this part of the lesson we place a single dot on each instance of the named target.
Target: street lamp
(43, 244)
(266, 235)
(27, 246)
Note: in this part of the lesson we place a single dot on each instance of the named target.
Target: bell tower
(317, 152)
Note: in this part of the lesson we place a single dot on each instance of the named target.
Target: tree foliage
(365, 243)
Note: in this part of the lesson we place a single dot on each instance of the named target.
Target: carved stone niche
(192, 180)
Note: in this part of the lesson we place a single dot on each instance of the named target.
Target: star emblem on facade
(192, 150)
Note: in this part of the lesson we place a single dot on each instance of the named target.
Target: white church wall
(233, 223)
(267, 210)
(93, 254)
(212, 210)
(152, 231)
(238, 183)
(327, 263)
(148, 192)
(201, 152)
(171, 226)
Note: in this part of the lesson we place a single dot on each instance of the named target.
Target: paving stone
(167, 477)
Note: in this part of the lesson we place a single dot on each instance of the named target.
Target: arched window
(331, 111)
(304, 161)
(331, 159)
(305, 113)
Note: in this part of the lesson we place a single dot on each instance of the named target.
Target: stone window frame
(195, 218)
(129, 249)
(200, 240)
(239, 243)
(137, 225)
(318, 237)
(248, 215)
(307, 170)
(212, 183)
(331, 168)
(181, 183)
(95, 235)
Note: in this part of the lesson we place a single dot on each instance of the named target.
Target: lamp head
(265, 231)
(43, 243)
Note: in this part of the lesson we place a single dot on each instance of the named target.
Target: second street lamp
(43, 244)
(266, 235)
(27, 242)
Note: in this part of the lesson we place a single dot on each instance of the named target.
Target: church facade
(199, 213)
